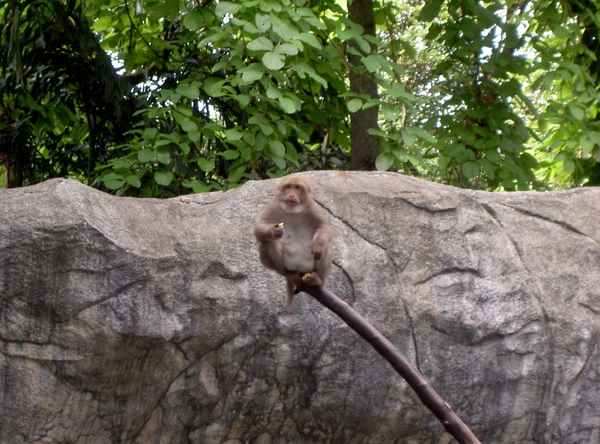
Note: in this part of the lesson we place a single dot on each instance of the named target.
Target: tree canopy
(166, 97)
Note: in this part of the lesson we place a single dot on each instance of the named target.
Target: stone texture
(151, 321)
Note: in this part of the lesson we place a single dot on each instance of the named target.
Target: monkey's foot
(312, 279)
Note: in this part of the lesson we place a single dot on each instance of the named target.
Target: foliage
(51, 97)
(505, 90)
(206, 95)
(244, 94)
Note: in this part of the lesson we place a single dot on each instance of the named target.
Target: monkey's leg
(271, 256)
(293, 283)
(290, 296)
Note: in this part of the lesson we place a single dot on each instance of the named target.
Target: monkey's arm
(266, 231)
(322, 237)
(269, 226)
(322, 232)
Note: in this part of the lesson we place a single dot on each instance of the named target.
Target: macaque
(294, 237)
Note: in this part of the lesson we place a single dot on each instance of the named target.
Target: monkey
(294, 237)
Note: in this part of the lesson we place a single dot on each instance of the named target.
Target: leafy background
(162, 98)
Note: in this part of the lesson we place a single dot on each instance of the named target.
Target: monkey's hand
(278, 230)
(312, 279)
(318, 250)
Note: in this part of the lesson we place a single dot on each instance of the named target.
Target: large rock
(152, 321)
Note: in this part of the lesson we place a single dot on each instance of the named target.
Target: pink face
(293, 193)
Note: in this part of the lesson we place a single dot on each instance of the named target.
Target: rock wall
(152, 321)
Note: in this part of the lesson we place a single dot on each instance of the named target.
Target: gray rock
(152, 321)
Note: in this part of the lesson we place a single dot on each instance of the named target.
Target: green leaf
(163, 155)
(273, 92)
(528, 160)
(390, 113)
(150, 133)
(470, 170)
(408, 49)
(123, 162)
(277, 148)
(594, 136)
(354, 105)
(287, 105)
(236, 174)
(309, 39)
(408, 138)
(246, 154)
(185, 147)
(229, 154)
(363, 44)
(191, 92)
(384, 161)
(200, 187)
(283, 28)
(162, 10)
(133, 181)
(243, 100)
(163, 177)
(261, 44)
(423, 134)
(114, 184)
(146, 155)
(561, 32)
(577, 112)
(103, 24)
(488, 168)
(430, 11)
(193, 20)
(113, 181)
(186, 124)
(469, 28)
(205, 164)
(453, 150)
(372, 62)
(233, 134)
(279, 162)
(402, 156)
(492, 156)
(569, 166)
(304, 68)
(273, 61)
(287, 49)
(444, 161)
(263, 23)
(248, 27)
(252, 73)
(214, 87)
(266, 129)
(227, 8)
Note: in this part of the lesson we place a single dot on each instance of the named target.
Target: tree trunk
(364, 147)
(13, 170)
(450, 420)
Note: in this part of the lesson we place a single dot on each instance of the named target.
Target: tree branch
(450, 420)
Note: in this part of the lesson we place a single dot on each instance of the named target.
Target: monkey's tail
(290, 296)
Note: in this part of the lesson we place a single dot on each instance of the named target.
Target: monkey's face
(293, 194)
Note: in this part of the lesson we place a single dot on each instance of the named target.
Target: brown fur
(300, 249)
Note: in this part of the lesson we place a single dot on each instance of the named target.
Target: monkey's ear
(308, 187)
(282, 183)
